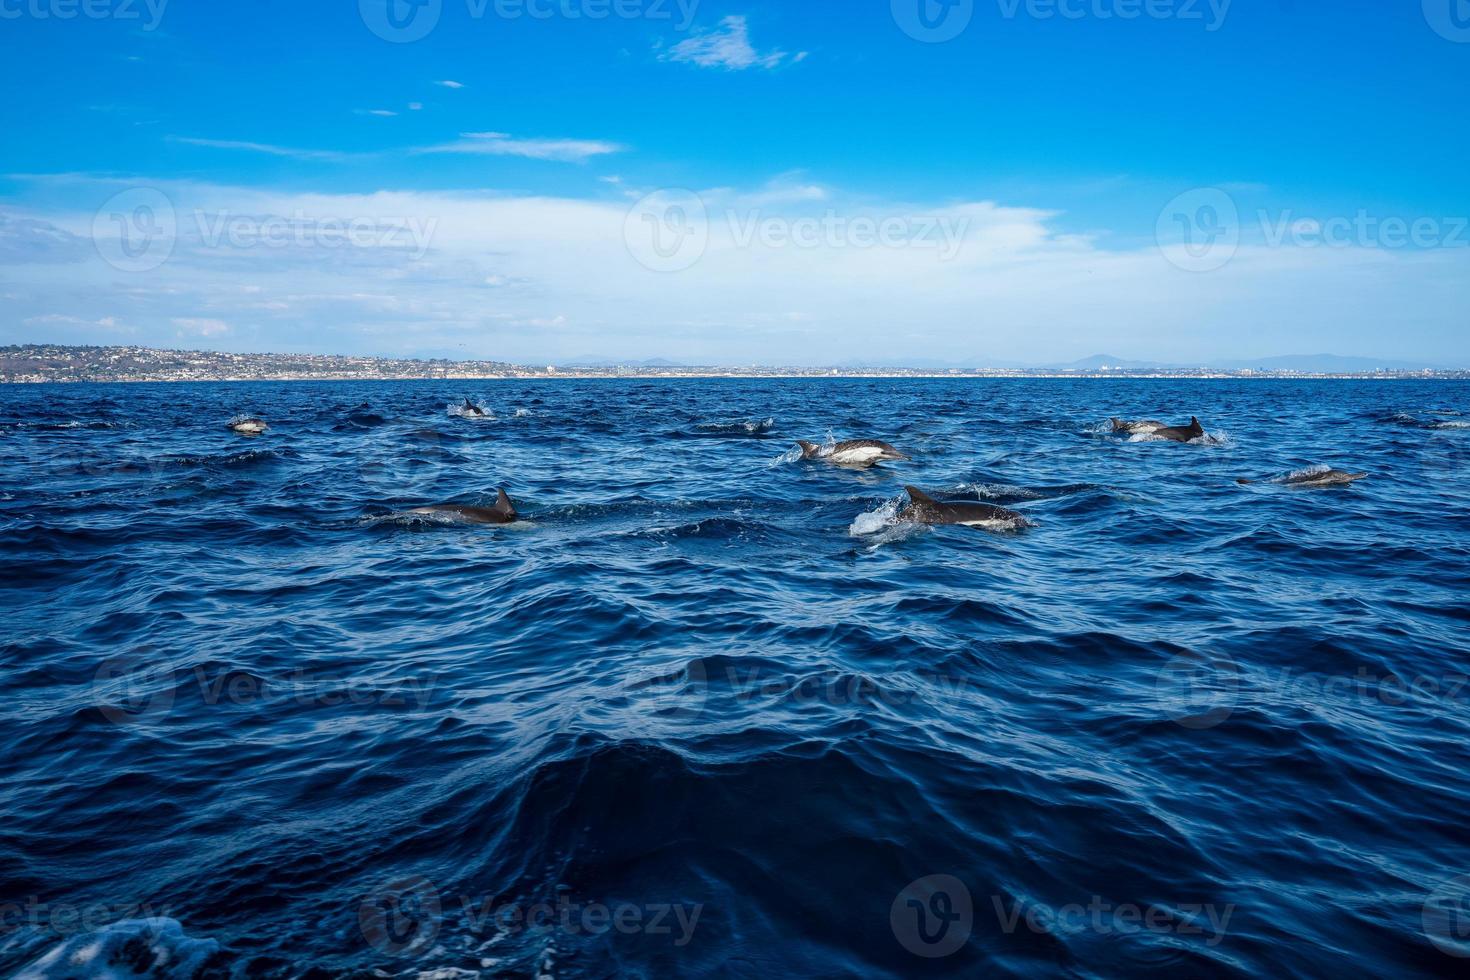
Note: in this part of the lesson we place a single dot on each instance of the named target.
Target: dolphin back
(918, 496)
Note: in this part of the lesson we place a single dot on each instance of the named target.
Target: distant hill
(1305, 363)
(1099, 361)
(610, 362)
(1323, 364)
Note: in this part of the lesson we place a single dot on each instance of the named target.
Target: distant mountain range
(1305, 363)
(1309, 363)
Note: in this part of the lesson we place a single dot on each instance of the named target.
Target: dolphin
(853, 452)
(1319, 477)
(504, 512)
(471, 409)
(924, 509)
(248, 426)
(1141, 428)
(1181, 433)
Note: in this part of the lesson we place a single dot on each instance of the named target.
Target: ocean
(711, 710)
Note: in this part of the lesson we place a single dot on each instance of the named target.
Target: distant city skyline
(909, 183)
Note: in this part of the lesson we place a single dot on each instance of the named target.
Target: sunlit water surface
(245, 694)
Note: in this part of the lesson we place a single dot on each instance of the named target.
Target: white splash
(874, 521)
(154, 947)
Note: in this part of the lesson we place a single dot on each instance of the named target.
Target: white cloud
(381, 112)
(725, 47)
(267, 148)
(448, 83)
(189, 326)
(62, 319)
(415, 106)
(530, 278)
(502, 144)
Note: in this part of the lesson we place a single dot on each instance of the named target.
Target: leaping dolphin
(1181, 433)
(471, 409)
(504, 512)
(248, 426)
(1321, 477)
(924, 509)
(853, 452)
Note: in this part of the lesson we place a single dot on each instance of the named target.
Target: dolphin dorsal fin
(919, 497)
(503, 504)
(1194, 425)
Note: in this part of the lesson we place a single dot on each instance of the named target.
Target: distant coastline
(49, 364)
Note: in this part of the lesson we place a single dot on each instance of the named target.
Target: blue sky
(794, 182)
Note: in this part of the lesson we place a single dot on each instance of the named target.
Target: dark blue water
(712, 711)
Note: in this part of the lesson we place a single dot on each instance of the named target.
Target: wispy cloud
(496, 279)
(379, 112)
(189, 326)
(450, 83)
(728, 47)
(504, 145)
(266, 148)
